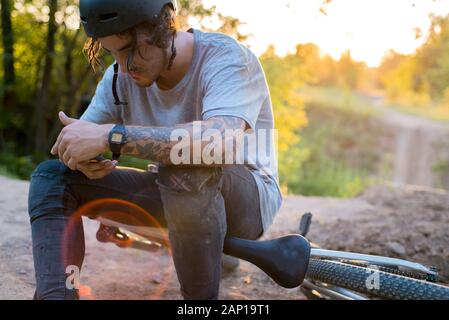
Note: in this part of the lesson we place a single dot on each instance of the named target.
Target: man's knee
(54, 167)
(46, 188)
(192, 199)
(188, 179)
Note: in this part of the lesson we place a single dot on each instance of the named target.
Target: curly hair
(159, 34)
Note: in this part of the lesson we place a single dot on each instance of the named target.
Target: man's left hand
(80, 140)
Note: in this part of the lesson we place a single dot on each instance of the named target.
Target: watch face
(116, 138)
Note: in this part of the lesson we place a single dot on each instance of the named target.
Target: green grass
(341, 98)
(331, 179)
(16, 167)
(431, 112)
(338, 98)
(5, 173)
(339, 154)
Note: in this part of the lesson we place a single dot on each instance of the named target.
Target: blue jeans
(199, 206)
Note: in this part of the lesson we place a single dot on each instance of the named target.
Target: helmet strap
(173, 53)
(114, 87)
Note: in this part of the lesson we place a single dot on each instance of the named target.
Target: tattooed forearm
(154, 143)
(148, 143)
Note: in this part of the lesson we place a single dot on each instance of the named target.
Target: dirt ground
(407, 222)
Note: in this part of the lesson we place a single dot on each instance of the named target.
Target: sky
(368, 28)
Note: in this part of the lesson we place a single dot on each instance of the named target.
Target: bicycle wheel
(389, 286)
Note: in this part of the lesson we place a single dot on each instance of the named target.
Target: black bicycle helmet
(101, 18)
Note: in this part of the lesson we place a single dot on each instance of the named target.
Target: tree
(348, 70)
(285, 76)
(8, 100)
(41, 134)
(433, 58)
(422, 77)
(194, 9)
(308, 57)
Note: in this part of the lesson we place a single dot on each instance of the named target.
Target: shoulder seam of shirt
(227, 44)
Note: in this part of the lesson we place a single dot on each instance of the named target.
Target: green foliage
(422, 78)
(336, 97)
(16, 167)
(322, 70)
(339, 147)
(330, 178)
(433, 57)
(194, 9)
(4, 172)
(285, 76)
(348, 70)
(441, 167)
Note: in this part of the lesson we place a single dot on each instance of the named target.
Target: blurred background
(360, 88)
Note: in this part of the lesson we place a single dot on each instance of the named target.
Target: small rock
(156, 280)
(247, 280)
(237, 296)
(396, 248)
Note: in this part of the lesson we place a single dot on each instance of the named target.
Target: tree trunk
(42, 107)
(68, 106)
(8, 100)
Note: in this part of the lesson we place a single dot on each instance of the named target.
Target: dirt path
(408, 222)
(108, 272)
(418, 146)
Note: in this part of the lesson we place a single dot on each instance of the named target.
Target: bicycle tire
(391, 286)
(407, 274)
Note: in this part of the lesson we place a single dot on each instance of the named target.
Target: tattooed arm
(155, 144)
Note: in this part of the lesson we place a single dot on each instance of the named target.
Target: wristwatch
(117, 139)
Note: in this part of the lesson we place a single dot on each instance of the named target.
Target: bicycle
(293, 262)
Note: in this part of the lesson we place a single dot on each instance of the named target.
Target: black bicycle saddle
(284, 259)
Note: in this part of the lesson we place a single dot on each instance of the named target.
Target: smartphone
(97, 159)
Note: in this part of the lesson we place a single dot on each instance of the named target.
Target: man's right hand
(96, 169)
